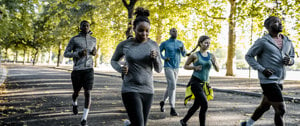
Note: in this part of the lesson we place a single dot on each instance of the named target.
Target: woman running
(141, 56)
(202, 61)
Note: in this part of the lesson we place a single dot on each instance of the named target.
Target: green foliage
(43, 24)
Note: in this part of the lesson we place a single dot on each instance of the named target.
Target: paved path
(39, 96)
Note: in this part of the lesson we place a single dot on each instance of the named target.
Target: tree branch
(125, 3)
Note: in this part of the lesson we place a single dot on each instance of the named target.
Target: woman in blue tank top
(202, 61)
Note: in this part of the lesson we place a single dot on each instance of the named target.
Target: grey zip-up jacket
(268, 55)
(78, 43)
(140, 66)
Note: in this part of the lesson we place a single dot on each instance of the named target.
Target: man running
(81, 48)
(173, 49)
(273, 53)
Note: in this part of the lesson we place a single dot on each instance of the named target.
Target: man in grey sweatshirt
(273, 53)
(82, 48)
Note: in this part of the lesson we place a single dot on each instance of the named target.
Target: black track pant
(200, 101)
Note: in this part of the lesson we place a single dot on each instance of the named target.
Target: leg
(147, 102)
(134, 107)
(279, 108)
(198, 92)
(203, 109)
(261, 109)
(170, 75)
(87, 99)
(75, 77)
(88, 82)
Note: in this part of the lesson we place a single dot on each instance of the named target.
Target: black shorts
(82, 78)
(272, 92)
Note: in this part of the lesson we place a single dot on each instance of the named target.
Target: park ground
(41, 96)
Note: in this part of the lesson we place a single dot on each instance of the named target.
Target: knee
(204, 106)
(264, 108)
(280, 111)
(76, 93)
(87, 92)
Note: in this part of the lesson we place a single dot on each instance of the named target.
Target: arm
(156, 60)
(117, 56)
(162, 48)
(214, 62)
(183, 51)
(191, 59)
(292, 56)
(94, 51)
(256, 49)
(69, 50)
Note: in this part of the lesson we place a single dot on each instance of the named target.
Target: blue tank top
(206, 63)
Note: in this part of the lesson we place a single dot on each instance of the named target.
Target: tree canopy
(44, 27)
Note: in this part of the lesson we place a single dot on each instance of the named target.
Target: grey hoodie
(78, 43)
(268, 55)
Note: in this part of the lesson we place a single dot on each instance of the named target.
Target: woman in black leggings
(141, 56)
(202, 61)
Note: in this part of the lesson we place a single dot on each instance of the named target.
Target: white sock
(85, 114)
(74, 103)
(250, 122)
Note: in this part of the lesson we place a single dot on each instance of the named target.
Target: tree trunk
(58, 55)
(130, 9)
(159, 31)
(97, 57)
(50, 56)
(232, 36)
(35, 60)
(16, 58)
(6, 54)
(24, 55)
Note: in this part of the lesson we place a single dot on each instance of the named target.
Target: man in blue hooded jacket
(273, 53)
(173, 49)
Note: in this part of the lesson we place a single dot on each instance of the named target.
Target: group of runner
(136, 57)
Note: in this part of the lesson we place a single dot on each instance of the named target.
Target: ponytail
(201, 39)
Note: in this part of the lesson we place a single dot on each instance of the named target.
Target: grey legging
(138, 107)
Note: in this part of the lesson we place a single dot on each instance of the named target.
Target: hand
(167, 59)
(197, 68)
(268, 72)
(286, 59)
(124, 70)
(94, 52)
(153, 54)
(181, 48)
(82, 53)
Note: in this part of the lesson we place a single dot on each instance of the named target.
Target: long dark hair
(200, 40)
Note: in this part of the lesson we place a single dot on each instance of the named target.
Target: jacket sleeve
(157, 62)
(118, 54)
(161, 49)
(255, 50)
(69, 52)
(292, 55)
(183, 53)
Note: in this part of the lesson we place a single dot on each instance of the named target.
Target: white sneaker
(127, 122)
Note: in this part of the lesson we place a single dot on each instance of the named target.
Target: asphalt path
(39, 96)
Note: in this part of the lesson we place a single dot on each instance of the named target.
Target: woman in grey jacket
(273, 53)
(141, 56)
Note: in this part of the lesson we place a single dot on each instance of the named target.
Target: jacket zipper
(86, 51)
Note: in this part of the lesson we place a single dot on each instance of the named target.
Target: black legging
(200, 100)
(138, 107)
